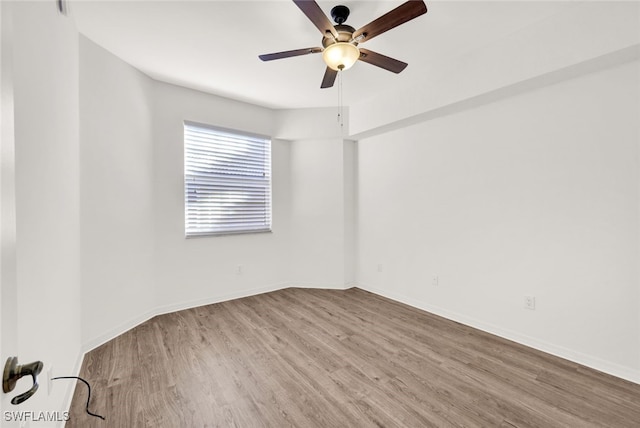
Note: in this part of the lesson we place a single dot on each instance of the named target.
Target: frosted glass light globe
(340, 55)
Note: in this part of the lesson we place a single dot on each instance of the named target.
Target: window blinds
(227, 181)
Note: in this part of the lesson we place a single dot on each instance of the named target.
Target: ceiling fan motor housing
(340, 14)
(344, 35)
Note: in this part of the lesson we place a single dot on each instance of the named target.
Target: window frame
(267, 206)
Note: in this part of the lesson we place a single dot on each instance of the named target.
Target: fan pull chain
(340, 115)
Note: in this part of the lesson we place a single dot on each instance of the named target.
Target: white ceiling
(213, 46)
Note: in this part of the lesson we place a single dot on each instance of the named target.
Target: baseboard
(164, 309)
(568, 354)
(608, 367)
(302, 284)
(116, 331)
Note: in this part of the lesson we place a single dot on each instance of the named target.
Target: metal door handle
(13, 372)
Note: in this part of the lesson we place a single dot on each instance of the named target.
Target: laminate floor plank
(328, 358)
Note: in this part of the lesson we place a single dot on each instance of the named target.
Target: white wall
(8, 280)
(317, 220)
(136, 261)
(201, 270)
(536, 194)
(322, 245)
(350, 198)
(116, 191)
(45, 73)
(311, 123)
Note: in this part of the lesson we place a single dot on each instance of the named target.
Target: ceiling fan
(340, 42)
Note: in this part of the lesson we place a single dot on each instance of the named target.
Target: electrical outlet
(379, 267)
(435, 281)
(530, 302)
(50, 377)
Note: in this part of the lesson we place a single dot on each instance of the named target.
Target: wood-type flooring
(329, 358)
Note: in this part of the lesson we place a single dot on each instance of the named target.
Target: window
(227, 177)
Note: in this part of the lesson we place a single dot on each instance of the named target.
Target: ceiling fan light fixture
(340, 55)
(340, 42)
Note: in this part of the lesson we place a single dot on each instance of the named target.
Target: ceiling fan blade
(382, 61)
(288, 54)
(317, 16)
(401, 14)
(329, 78)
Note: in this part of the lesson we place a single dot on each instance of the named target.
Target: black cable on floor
(89, 396)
